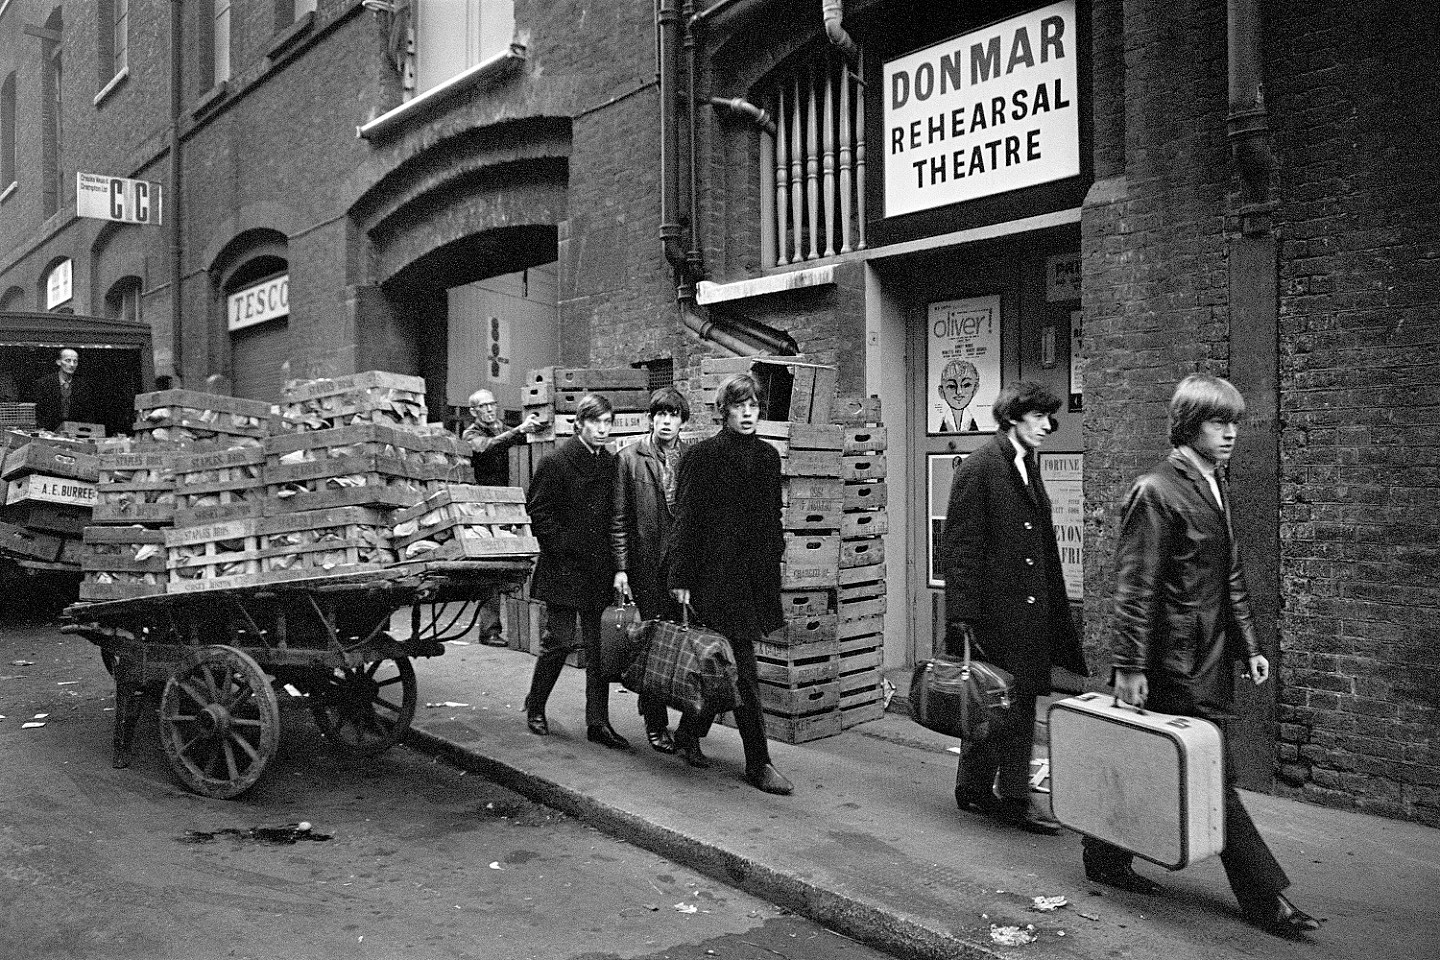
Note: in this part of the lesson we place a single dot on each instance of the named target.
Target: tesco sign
(266, 300)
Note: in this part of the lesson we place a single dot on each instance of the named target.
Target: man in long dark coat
(1182, 617)
(724, 560)
(570, 501)
(645, 489)
(62, 394)
(1004, 588)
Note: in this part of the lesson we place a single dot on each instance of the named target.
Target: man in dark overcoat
(1182, 617)
(62, 394)
(570, 502)
(644, 507)
(1004, 589)
(724, 560)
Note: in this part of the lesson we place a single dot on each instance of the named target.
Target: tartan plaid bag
(686, 667)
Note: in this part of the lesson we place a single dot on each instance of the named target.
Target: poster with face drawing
(963, 339)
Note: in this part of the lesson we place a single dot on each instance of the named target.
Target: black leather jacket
(641, 523)
(1182, 610)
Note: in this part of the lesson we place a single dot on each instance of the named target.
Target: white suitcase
(1150, 783)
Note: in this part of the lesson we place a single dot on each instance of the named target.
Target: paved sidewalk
(871, 843)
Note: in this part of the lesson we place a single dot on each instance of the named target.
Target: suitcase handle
(1120, 705)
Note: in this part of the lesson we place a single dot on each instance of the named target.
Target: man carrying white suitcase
(1182, 614)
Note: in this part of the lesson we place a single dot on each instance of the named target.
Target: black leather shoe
(689, 751)
(605, 735)
(1019, 813)
(660, 740)
(535, 720)
(976, 802)
(493, 640)
(770, 780)
(1284, 918)
(1122, 876)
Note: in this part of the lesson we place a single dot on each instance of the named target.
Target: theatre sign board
(983, 113)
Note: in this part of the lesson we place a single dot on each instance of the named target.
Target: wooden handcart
(229, 658)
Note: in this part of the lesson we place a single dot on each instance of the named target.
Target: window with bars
(812, 173)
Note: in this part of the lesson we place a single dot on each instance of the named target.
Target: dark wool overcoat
(1182, 609)
(571, 496)
(642, 522)
(1002, 570)
(726, 542)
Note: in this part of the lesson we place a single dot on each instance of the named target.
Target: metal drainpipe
(1248, 121)
(735, 106)
(834, 13)
(667, 17)
(750, 339)
(177, 337)
(695, 258)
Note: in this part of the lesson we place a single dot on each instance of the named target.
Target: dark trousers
(1008, 749)
(1255, 876)
(558, 642)
(749, 718)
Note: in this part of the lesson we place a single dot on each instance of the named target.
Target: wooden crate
(803, 729)
(802, 436)
(60, 519)
(809, 561)
(28, 544)
(297, 546)
(219, 485)
(862, 466)
(861, 682)
(367, 488)
(861, 553)
(38, 456)
(38, 488)
(861, 653)
(568, 400)
(799, 631)
(374, 396)
(787, 666)
(861, 707)
(866, 439)
(189, 416)
(807, 603)
(872, 626)
(864, 608)
(864, 523)
(135, 487)
(860, 583)
(120, 563)
(855, 411)
(864, 495)
(589, 378)
(809, 463)
(799, 489)
(805, 700)
(466, 522)
(358, 440)
(811, 515)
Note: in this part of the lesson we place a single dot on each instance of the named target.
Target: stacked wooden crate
(124, 548)
(861, 606)
(553, 394)
(316, 498)
(465, 522)
(800, 663)
(49, 490)
(190, 420)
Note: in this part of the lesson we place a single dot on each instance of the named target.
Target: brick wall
(1360, 343)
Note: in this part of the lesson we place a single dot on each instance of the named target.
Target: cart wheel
(365, 710)
(219, 721)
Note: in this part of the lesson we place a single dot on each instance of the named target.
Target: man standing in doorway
(62, 395)
(1005, 592)
(490, 442)
(1182, 615)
